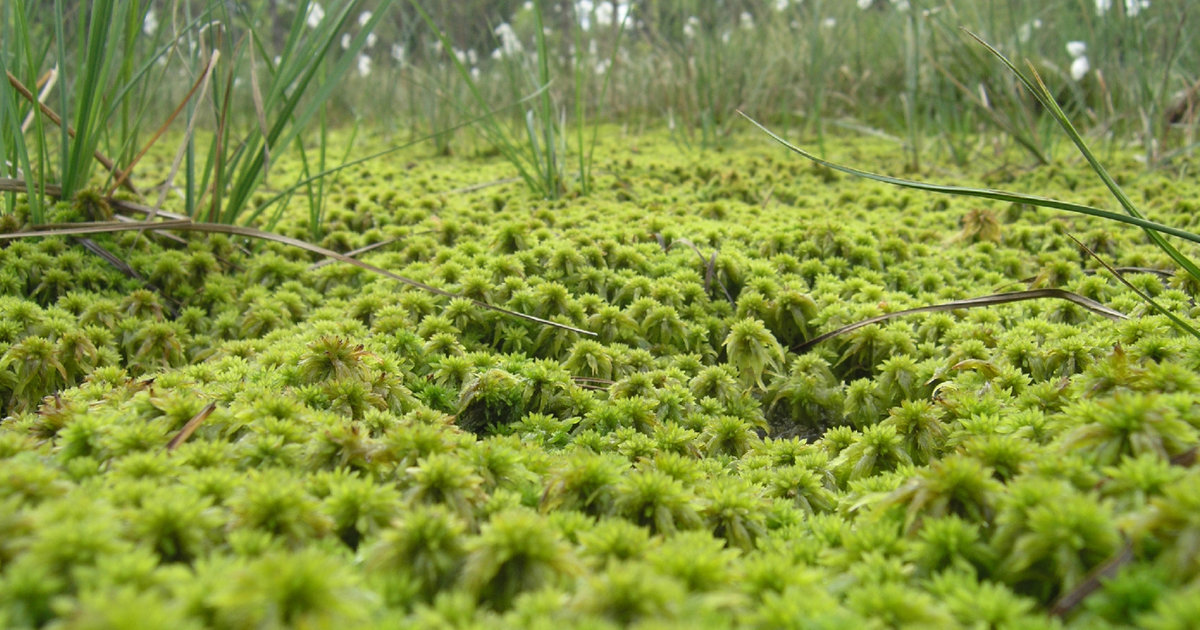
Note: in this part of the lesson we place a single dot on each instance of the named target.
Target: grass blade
(985, 193)
(345, 165)
(185, 225)
(586, 157)
(355, 253)
(976, 302)
(14, 153)
(527, 167)
(297, 106)
(94, 58)
(104, 161)
(44, 88)
(1039, 90)
(1175, 319)
(122, 177)
(189, 133)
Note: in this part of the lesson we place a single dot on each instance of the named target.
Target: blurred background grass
(1127, 71)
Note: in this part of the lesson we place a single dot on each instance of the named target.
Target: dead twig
(72, 229)
(122, 266)
(986, 300)
(1092, 583)
(354, 253)
(191, 426)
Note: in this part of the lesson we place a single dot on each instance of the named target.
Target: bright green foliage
(156, 345)
(793, 312)
(801, 485)
(516, 551)
(1136, 480)
(1173, 611)
(443, 479)
(1063, 539)
(697, 560)
(810, 394)
(384, 458)
(922, 429)
(29, 589)
(359, 508)
(986, 604)
(31, 367)
(877, 449)
(953, 486)
(494, 397)
(863, 405)
(653, 499)
(899, 606)
(716, 382)
(1128, 595)
(128, 608)
(271, 503)
(614, 540)
(178, 525)
(310, 588)
(727, 435)
(584, 481)
(625, 593)
(752, 349)
(590, 359)
(733, 511)
(426, 544)
(333, 358)
(1139, 424)
(949, 543)
(1171, 521)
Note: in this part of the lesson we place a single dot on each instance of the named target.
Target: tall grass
(109, 71)
(296, 89)
(586, 147)
(899, 68)
(689, 63)
(1034, 83)
(94, 59)
(536, 142)
(14, 151)
(533, 149)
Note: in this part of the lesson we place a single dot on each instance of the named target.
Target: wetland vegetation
(362, 326)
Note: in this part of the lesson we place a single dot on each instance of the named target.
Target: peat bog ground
(231, 434)
(327, 317)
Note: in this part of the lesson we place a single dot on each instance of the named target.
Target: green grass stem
(1037, 87)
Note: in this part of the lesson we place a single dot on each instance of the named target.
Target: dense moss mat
(235, 440)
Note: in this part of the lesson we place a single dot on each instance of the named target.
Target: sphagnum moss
(378, 457)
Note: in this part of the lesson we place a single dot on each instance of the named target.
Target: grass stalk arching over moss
(186, 225)
(982, 301)
(986, 193)
(1038, 88)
